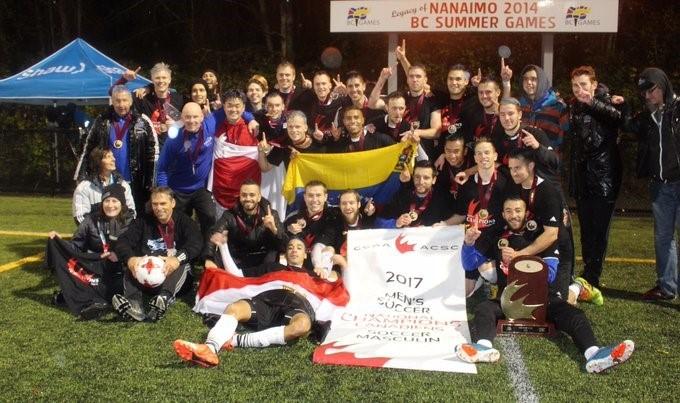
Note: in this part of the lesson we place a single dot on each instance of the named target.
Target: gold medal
(483, 214)
(118, 143)
(413, 215)
(531, 225)
(502, 243)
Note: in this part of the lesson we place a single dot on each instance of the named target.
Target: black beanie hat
(115, 190)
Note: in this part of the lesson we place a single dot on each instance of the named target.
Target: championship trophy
(525, 298)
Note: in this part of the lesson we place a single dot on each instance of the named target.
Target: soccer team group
(491, 162)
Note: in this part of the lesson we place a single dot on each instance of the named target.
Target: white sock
(590, 352)
(263, 338)
(485, 343)
(575, 288)
(221, 333)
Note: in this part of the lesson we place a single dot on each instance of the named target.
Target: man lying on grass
(278, 315)
(528, 229)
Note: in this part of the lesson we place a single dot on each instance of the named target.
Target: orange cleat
(199, 354)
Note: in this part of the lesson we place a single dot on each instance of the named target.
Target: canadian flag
(218, 288)
(232, 165)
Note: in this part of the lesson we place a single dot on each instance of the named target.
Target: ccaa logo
(359, 16)
(579, 16)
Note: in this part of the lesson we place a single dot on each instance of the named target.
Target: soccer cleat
(94, 311)
(656, 294)
(157, 307)
(607, 357)
(589, 293)
(474, 352)
(199, 354)
(129, 310)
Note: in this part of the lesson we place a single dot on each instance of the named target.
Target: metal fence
(43, 161)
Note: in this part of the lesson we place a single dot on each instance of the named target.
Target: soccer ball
(149, 271)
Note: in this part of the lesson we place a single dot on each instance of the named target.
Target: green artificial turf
(47, 354)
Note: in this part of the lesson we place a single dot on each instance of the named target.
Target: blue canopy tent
(77, 73)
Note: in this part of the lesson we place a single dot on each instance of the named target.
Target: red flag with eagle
(218, 288)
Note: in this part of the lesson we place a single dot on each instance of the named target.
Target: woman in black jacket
(86, 267)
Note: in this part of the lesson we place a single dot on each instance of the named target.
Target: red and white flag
(217, 289)
(232, 165)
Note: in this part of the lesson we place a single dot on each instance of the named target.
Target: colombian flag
(373, 173)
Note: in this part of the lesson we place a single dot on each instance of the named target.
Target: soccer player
(358, 137)
(421, 110)
(523, 236)
(168, 234)
(273, 121)
(353, 217)
(455, 161)
(393, 124)
(417, 203)
(279, 315)
(516, 134)
(233, 130)
(251, 229)
(483, 119)
(316, 223)
(480, 199)
(299, 141)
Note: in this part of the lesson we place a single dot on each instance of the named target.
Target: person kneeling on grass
(88, 270)
(501, 248)
(279, 315)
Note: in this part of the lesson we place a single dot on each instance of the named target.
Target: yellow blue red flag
(373, 173)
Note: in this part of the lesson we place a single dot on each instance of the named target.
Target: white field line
(517, 371)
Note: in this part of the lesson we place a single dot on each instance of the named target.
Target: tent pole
(56, 158)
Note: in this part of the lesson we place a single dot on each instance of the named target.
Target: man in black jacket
(596, 168)
(658, 130)
(251, 229)
(168, 234)
(133, 143)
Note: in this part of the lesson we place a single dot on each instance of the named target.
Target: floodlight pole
(392, 82)
(547, 53)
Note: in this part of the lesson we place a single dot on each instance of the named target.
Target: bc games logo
(578, 16)
(359, 16)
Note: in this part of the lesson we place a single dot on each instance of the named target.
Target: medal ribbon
(169, 234)
(193, 155)
(416, 113)
(486, 197)
(121, 130)
(102, 237)
(244, 227)
(423, 206)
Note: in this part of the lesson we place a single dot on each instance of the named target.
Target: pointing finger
(403, 45)
(137, 69)
(269, 210)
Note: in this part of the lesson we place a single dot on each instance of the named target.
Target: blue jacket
(175, 166)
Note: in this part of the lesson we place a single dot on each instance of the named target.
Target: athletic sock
(485, 343)
(222, 331)
(575, 288)
(263, 338)
(590, 352)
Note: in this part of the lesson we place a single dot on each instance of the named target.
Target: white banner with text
(475, 16)
(407, 302)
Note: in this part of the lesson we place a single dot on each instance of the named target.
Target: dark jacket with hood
(596, 168)
(142, 151)
(546, 111)
(659, 147)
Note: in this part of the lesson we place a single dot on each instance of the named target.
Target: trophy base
(524, 327)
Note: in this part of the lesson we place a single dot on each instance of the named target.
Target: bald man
(185, 163)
